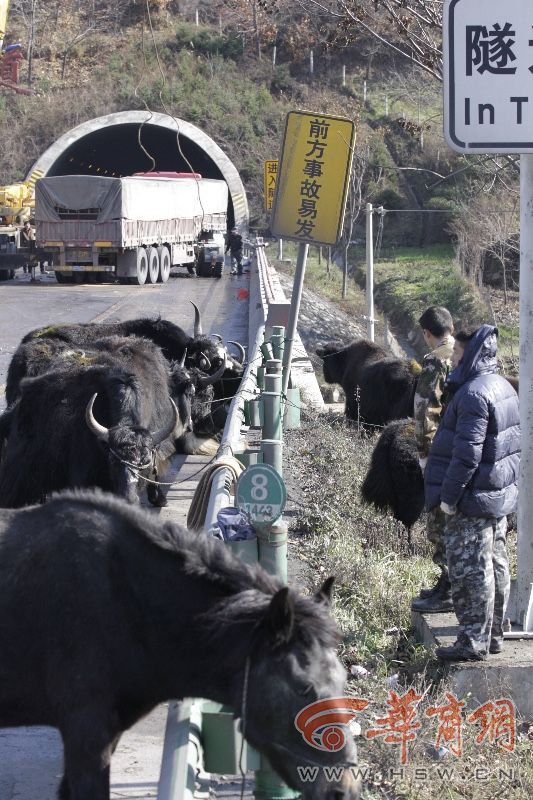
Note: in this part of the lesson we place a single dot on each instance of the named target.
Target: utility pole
(369, 272)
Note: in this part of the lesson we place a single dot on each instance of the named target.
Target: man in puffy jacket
(472, 473)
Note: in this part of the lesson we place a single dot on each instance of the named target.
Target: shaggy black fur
(378, 387)
(108, 612)
(50, 446)
(394, 480)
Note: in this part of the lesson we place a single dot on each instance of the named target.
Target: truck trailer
(134, 227)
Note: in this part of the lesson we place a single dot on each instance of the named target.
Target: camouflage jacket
(428, 403)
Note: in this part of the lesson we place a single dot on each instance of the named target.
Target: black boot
(440, 601)
(461, 650)
(423, 593)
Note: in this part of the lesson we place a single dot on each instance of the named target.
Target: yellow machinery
(4, 7)
(17, 202)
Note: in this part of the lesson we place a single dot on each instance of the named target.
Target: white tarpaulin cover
(147, 199)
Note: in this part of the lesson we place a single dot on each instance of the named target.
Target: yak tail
(378, 487)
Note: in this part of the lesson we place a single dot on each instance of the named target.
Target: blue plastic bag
(234, 525)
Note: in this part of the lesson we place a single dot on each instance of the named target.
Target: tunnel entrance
(134, 141)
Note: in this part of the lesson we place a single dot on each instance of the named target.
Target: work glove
(450, 510)
(423, 462)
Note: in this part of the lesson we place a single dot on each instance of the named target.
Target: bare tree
(354, 206)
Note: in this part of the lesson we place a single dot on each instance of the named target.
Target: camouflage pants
(436, 523)
(479, 575)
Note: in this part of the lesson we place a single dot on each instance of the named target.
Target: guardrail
(268, 313)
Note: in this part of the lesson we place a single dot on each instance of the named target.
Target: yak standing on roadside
(206, 353)
(106, 612)
(378, 387)
(394, 479)
(103, 422)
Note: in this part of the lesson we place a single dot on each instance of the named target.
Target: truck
(135, 227)
(16, 206)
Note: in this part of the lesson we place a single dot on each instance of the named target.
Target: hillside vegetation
(90, 59)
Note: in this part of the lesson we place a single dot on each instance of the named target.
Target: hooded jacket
(475, 456)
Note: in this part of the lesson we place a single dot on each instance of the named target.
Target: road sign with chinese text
(261, 493)
(313, 178)
(270, 179)
(488, 75)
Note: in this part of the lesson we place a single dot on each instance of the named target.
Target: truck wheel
(142, 267)
(164, 264)
(153, 264)
(62, 278)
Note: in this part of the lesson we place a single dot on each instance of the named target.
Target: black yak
(394, 479)
(105, 612)
(205, 352)
(102, 422)
(378, 387)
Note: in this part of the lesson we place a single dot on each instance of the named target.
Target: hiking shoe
(436, 604)
(459, 651)
(233, 272)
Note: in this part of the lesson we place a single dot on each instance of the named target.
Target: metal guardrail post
(272, 426)
(277, 341)
(181, 751)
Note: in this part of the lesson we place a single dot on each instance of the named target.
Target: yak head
(334, 358)
(131, 450)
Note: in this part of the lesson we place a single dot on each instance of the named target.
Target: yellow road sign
(313, 177)
(270, 179)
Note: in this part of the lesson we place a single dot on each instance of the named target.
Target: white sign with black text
(488, 75)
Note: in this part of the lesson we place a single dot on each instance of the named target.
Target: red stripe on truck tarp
(166, 175)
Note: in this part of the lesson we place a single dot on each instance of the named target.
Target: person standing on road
(27, 239)
(234, 246)
(472, 473)
(437, 327)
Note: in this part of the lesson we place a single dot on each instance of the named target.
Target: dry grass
(376, 577)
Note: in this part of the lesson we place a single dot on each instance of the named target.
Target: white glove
(422, 462)
(450, 510)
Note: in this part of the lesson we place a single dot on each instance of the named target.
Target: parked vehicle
(136, 228)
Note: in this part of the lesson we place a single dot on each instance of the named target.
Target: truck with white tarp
(135, 227)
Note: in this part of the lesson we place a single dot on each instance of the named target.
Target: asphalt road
(25, 305)
(31, 759)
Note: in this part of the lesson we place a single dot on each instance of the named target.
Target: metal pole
(386, 105)
(311, 62)
(296, 299)
(197, 18)
(386, 337)
(344, 74)
(364, 92)
(525, 495)
(274, 53)
(280, 249)
(369, 272)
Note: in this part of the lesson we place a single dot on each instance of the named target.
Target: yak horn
(101, 433)
(216, 336)
(240, 348)
(208, 380)
(197, 321)
(184, 356)
(207, 362)
(163, 433)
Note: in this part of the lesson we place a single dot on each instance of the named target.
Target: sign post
(311, 192)
(488, 108)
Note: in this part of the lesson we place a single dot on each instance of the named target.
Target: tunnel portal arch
(111, 145)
